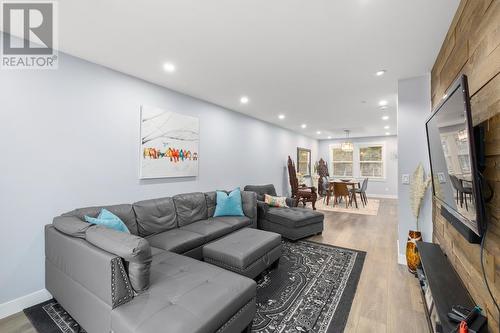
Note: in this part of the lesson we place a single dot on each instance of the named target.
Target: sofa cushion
(210, 229)
(155, 216)
(261, 190)
(190, 207)
(236, 222)
(124, 212)
(176, 240)
(211, 200)
(293, 217)
(182, 298)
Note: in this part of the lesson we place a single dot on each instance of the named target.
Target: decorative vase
(412, 256)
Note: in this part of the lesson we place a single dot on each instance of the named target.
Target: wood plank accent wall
(472, 47)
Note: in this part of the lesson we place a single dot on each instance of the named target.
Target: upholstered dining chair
(341, 191)
(361, 191)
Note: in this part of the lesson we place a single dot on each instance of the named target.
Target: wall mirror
(304, 161)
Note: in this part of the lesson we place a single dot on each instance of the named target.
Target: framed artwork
(169, 144)
(304, 161)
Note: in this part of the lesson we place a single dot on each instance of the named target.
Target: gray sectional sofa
(150, 280)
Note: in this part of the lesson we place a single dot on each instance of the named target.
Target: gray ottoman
(247, 252)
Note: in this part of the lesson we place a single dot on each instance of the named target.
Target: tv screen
(455, 179)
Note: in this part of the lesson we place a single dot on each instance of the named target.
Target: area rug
(311, 291)
(370, 209)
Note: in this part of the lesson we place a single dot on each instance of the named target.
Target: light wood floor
(387, 298)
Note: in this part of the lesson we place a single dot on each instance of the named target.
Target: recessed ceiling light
(382, 103)
(381, 72)
(387, 127)
(318, 132)
(169, 67)
(244, 100)
(387, 133)
(385, 118)
(303, 125)
(281, 116)
(329, 137)
(383, 107)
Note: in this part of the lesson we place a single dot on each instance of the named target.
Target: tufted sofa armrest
(71, 260)
(133, 249)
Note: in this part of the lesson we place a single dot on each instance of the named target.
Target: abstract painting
(169, 144)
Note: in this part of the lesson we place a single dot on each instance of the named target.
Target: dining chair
(462, 191)
(361, 191)
(341, 191)
(327, 189)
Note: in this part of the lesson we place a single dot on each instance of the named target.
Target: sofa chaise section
(187, 295)
(291, 222)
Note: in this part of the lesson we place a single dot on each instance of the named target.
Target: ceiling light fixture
(318, 132)
(281, 116)
(387, 127)
(385, 118)
(303, 125)
(387, 133)
(329, 137)
(347, 145)
(169, 67)
(382, 103)
(381, 72)
(383, 107)
(244, 100)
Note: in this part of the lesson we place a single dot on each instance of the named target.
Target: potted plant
(418, 186)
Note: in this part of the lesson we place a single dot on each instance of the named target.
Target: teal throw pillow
(108, 220)
(229, 204)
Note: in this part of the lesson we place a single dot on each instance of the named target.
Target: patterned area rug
(311, 291)
(370, 209)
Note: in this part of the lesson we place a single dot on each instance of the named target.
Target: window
(371, 162)
(341, 162)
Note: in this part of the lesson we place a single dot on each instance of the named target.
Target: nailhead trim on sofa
(117, 267)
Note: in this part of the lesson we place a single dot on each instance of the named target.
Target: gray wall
(70, 138)
(387, 187)
(414, 106)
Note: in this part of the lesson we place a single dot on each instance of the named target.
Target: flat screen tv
(456, 180)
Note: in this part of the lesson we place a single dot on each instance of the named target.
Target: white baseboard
(18, 304)
(383, 196)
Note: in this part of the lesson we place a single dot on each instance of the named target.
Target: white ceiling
(313, 61)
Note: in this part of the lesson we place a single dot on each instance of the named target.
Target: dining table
(349, 182)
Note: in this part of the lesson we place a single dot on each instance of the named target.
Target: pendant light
(347, 145)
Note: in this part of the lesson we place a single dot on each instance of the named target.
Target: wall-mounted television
(453, 153)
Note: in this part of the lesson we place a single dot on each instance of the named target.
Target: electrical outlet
(405, 178)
